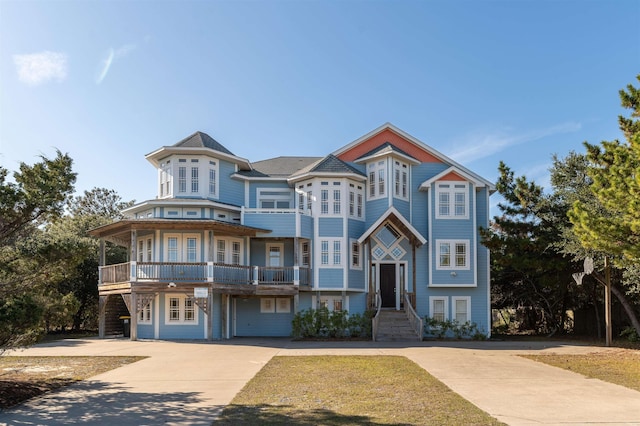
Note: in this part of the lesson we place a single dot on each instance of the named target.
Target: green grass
(621, 367)
(348, 390)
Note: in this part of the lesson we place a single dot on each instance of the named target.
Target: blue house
(230, 247)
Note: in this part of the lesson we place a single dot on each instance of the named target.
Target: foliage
(322, 323)
(630, 334)
(452, 328)
(28, 259)
(615, 171)
(526, 270)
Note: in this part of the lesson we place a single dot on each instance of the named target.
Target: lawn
(24, 377)
(621, 367)
(348, 390)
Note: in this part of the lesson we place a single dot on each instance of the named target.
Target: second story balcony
(203, 272)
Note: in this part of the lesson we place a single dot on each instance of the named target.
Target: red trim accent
(388, 136)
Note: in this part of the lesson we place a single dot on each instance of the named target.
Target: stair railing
(414, 319)
(376, 318)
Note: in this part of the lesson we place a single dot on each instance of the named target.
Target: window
(355, 255)
(359, 205)
(377, 179)
(305, 255)
(212, 182)
(337, 255)
(324, 252)
(332, 303)
(149, 250)
(235, 252)
(400, 173)
(144, 316)
(336, 201)
(221, 252)
(438, 308)
(452, 200)
(228, 250)
(194, 179)
(324, 201)
(165, 179)
(182, 179)
(453, 254)
(192, 249)
(267, 305)
(141, 251)
(309, 201)
(301, 197)
(355, 200)
(180, 310)
(274, 198)
(172, 249)
(274, 254)
(462, 308)
(283, 305)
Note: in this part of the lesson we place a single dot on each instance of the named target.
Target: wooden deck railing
(221, 273)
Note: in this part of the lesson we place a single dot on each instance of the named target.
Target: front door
(388, 285)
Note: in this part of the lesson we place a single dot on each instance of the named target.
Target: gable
(387, 135)
(453, 176)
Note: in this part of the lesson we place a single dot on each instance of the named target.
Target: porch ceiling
(120, 231)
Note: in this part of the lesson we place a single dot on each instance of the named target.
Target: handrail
(414, 319)
(376, 318)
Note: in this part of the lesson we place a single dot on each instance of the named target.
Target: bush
(447, 328)
(320, 323)
(630, 334)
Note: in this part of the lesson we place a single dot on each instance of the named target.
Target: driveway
(190, 382)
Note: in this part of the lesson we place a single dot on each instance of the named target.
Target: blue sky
(480, 81)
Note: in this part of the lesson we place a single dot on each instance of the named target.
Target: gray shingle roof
(203, 140)
(283, 166)
(329, 164)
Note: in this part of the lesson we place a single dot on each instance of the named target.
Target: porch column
(296, 263)
(101, 260)
(133, 322)
(211, 246)
(102, 305)
(132, 248)
(225, 316)
(413, 273)
(210, 314)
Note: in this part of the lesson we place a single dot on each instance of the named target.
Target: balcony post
(296, 275)
(210, 272)
(133, 272)
(255, 275)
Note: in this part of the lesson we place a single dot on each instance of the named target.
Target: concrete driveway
(190, 382)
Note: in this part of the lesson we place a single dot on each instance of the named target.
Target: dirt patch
(24, 377)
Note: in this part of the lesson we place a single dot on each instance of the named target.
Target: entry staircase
(394, 326)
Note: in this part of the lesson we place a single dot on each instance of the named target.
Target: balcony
(204, 272)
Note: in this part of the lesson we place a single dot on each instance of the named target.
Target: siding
(306, 226)
(280, 224)
(250, 322)
(330, 278)
(180, 331)
(231, 190)
(375, 209)
(330, 226)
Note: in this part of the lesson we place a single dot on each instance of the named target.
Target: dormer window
(165, 179)
(400, 179)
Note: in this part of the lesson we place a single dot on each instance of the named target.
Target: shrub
(447, 328)
(320, 323)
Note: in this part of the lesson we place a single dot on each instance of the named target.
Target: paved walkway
(190, 382)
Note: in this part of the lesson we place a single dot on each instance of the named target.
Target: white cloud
(482, 145)
(37, 68)
(110, 56)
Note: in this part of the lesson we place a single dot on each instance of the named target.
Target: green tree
(615, 172)
(527, 272)
(28, 262)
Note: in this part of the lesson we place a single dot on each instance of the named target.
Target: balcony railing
(220, 273)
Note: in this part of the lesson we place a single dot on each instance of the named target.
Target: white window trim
(268, 250)
(375, 167)
(267, 305)
(213, 167)
(452, 253)
(283, 305)
(262, 195)
(300, 261)
(182, 247)
(451, 190)
(432, 299)
(403, 170)
(455, 299)
(182, 321)
(331, 252)
(357, 266)
(148, 308)
(330, 302)
(228, 250)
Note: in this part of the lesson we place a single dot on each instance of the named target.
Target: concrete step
(394, 326)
